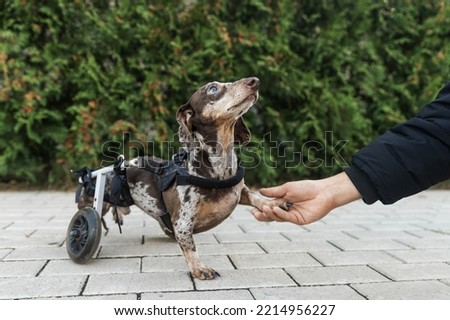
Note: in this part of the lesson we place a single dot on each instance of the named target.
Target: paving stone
(131, 221)
(359, 222)
(402, 218)
(380, 244)
(199, 295)
(128, 239)
(228, 226)
(133, 230)
(409, 240)
(28, 242)
(4, 253)
(267, 227)
(33, 224)
(250, 237)
(44, 253)
(12, 234)
(446, 281)
(242, 213)
(55, 224)
(178, 263)
(410, 290)
(10, 216)
(316, 235)
(335, 292)
(422, 255)
(240, 279)
(4, 224)
(317, 227)
(14, 195)
(161, 248)
(348, 219)
(138, 282)
(375, 235)
(40, 287)
(414, 271)
(273, 260)
(207, 237)
(390, 227)
(334, 275)
(160, 236)
(93, 266)
(228, 248)
(436, 243)
(20, 268)
(130, 296)
(298, 246)
(440, 226)
(429, 234)
(343, 258)
(42, 233)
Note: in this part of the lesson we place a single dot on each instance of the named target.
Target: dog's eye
(212, 89)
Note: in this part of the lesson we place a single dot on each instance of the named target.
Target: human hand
(311, 199)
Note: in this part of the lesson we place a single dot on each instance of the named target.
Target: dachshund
(210, 124)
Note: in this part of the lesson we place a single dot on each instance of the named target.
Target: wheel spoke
(78, 235)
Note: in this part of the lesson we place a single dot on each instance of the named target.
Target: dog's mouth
(253, 96)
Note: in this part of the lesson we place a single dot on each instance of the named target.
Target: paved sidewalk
(357, 252)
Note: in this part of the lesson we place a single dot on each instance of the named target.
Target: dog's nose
(252, 82)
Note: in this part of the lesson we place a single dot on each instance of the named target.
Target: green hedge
(77, 74)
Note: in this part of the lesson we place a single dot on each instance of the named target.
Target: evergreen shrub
(83, 80)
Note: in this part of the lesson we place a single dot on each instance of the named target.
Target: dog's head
(218, 107)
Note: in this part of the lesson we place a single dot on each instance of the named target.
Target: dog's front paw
(205, 273)
(286, 205)
(283, 204)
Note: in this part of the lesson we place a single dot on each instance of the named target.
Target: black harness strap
(85, 174)
(168, 172)
(183, 180)
(165, 218)
(120, 192)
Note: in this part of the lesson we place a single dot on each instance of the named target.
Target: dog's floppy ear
(241, 132)
(184, 114)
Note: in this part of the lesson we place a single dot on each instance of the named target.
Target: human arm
(408, 158)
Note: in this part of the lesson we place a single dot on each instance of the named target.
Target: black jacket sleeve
(408, 158)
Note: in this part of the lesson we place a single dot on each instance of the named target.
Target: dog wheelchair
(85, 228)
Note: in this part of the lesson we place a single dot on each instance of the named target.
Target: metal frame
(100, 182)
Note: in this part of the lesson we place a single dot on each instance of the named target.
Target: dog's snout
(252, 82)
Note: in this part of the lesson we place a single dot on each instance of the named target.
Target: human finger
(268, 211)
(292, 215)
(274, 192)
(260, 216)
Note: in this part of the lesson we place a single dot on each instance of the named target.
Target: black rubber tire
(83, 235)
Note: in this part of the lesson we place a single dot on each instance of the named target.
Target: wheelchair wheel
(83, 235)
